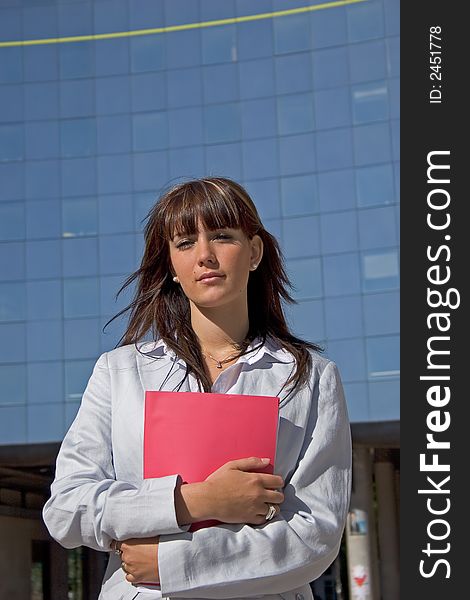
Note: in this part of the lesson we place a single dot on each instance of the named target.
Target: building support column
(59, 572)
(361, 538)
(387, 525)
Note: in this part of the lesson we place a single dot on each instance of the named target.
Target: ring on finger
(123, 567)
(271, 512)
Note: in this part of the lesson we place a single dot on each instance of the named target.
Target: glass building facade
(302, 108)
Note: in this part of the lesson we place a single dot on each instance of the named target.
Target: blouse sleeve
(297, 546)
(88, 506)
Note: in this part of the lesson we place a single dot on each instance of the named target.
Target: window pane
(219, 44)
(150, 171)
(12, 302)
(358, 401)
(11, 102)
(12, 221)
(339, 232)
(12, 262)
(44, 299)
(382, 313)
(380, 270)
(334, 149)
(82, 338)
(43, 259)
(184, 89)
(13, 379)
(112, 95)
(117, 254)
(344, 317)
(256, 78)
(305, 275)
(79, 177)
(332, 108)
(306, 320)
(45, 340)
(301, 237)
(330, 68)
(80, 257)
(260, 159)
(349, 356)
(384, 400)
(183, 49)
(45, 423)
(115, 213)
(147, 53)
(372, 144)
(45, 382)
(149, 91)
(365, 22)
(42, 140)
(265, 195)
(109, 287)
(43, 219)
(377, 227)
(79, 217)
(220, 83)
(11, 142)
(295, 113)
(299, 195)
(114, 134)
(112, 56)
(77, 374)
(114, 174)
(13, 424)
(341, 274)
(223, 159)
(11, 67)
(76, 98)
(336, 190)
(150, 131)
(375, 185)
(186, 127)
(259, 118)
(12, 178)
(255, 38)
(297, 154)
(81, 297)
(42, 179)
(367, 61)
(383, 356)
(329, 28)
(41, 63)
(291, 33)
(370, 102)
(78, 137)
(222, 123)
(189, 162)
(293, 73)
(76, 60)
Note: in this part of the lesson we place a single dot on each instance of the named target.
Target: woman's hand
(139, 558)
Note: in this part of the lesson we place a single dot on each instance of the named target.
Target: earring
(175, 279)
(253, 268)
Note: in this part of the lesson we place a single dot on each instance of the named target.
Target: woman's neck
(218, 328)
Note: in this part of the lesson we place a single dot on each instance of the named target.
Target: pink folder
(193, 434)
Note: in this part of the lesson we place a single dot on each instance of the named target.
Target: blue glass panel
(256, 78)
(220, 83)
(77, 98)
(78, 177)
(184, 87)
(187, 163)
(344, 317)
(330, 67)
(186, 126)
(110, 16)
(392, 17)
(77, 374)
(306, 320)
(219, 44)
(349, 356)
(367, 61)
(383, 356)
(396, 179)
(44, 340)
(45, 382)
(297, 154)
(395, 129)
(305, 275)
(382, 313)
(114, 174)
(222, 123)
(393, 56)
(45, 423)
(150, 171)
(178, 12)
(75, 19)
(12, 221)
(224, 159)
(114, 134)
(41, 63)
(274, 227)
(370, 102)
(357, 401)
(76, 60)
(112, 95)
(339, 232)
(13, 424)
(117, 254)
(41, 100)
(150, 131)
(82, 338)
(71, 410)
(329, 28)
(291, 33)
(394, 91)
(260, 159)
(259, 118)
(109, 287)
(12, 266)
(255, 38)
(365, 22)
(293, 73)
(79, 217)
(13, 347)
(44, 299)
(115, 213)
(183, 49)
(11, 103)
(332, 108)
(43, 219)
(80, 257)
(295, 113)
(43, 259)
(112, 56)
(149, 91)
(147, 53)
(78, 137)
(81, 297)
(377, 228)
(301, 237)
(12, 302)
(213, 9)
(341, 273)
(10, 23)
(112, 334)
(11, 181)
(334, 149)
(372, 144)
(11, 142)
(375, 185)
(42, 139)
(384, 400)
(336, 190)
(265, 195)
(380, 270)
(11, 67)
(145, 13)
(299, 195)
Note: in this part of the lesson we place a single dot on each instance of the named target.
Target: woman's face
(226, 253)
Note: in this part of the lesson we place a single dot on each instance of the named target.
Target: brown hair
(159, 305)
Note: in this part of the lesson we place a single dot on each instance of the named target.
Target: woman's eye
(222, 236)
(183, 244)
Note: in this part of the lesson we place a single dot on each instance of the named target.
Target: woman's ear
(256, 252)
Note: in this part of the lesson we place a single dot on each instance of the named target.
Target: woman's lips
(208, 280)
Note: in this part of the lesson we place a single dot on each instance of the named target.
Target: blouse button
(299, 597)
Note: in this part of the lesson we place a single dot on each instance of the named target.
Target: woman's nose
(206, 253)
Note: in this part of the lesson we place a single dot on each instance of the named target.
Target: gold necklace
(219, 363)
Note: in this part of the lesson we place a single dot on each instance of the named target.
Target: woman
(209, 292)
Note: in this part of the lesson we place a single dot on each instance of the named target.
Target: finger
(271, 481)
(273, 497)
(248, 464)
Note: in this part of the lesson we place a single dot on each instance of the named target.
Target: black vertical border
(427, 127)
